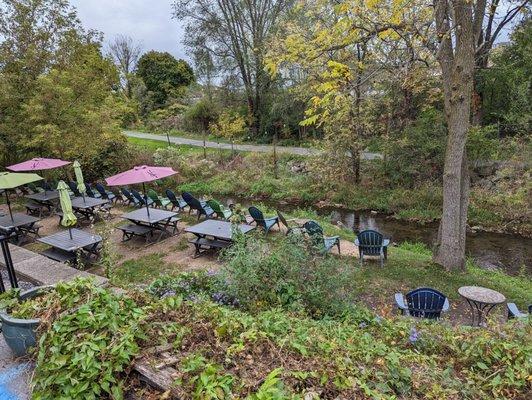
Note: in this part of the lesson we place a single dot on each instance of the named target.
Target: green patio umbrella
(79, 179)
(69, 219)
(12, 180)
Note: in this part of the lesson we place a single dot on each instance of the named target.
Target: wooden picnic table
(214, 234)
(87, 207)
(481, 300)
(21, 225)
(65, 248)
(146, 224)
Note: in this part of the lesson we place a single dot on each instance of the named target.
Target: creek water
(509, 253)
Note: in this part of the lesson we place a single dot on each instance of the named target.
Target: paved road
(258, 148)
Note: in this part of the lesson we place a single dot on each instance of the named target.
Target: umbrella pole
(70, 232)
(9, 205)
(9, 263)
(146, 198)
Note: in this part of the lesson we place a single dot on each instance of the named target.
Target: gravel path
(257, 148)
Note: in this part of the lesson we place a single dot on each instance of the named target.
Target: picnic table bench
(88, 207)
(38, 209)
(131, 230)
(146, 222)
(213, 235)
(59, 255)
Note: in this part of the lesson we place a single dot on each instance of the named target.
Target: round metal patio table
(481, 300)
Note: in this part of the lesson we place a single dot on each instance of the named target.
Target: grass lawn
(143, 270)
(410, 266)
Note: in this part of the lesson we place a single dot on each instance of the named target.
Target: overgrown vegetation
(288, 273)
(90, 340)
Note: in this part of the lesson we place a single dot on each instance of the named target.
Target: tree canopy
(163, 75)
(57, 91)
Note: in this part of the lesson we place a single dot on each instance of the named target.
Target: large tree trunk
(457, 60)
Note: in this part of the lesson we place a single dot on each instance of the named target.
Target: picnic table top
(80, 239)
(88, 202)
(481, 295)
(217, 229)
(44, 196)
(156, 215)
(19, 219)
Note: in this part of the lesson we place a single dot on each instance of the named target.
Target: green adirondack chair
(220, 210)
(159, 201)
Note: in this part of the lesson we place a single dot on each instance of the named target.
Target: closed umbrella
(140, 174)
(79, 179)
(12, 180)
(69, 219)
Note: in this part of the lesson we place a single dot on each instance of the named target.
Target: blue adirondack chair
(315, 231)
(422, 303)
(201, 207)
(513, 311)
(264, 223)
(177, 202)
(141, 198)
(106, 194)
(74, 188)
(131, 201)
(372, 243)
(47, 186)
(92, 193)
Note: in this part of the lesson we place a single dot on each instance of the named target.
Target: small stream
(509, 253)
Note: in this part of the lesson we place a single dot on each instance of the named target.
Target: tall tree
(163, 75)
(458, 27)
(56, 88)
(125, 53)
(338, 46)
(235, 33)
(73, 112)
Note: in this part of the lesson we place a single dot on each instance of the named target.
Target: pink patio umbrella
(38, 164)
(140, 174)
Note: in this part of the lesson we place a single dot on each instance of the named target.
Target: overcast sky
(146, 21)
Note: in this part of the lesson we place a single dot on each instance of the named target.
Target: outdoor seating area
(153, 217)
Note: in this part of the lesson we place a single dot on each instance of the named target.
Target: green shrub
(186, 284)
(289, 274)
(190, 167)
(275, 354)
